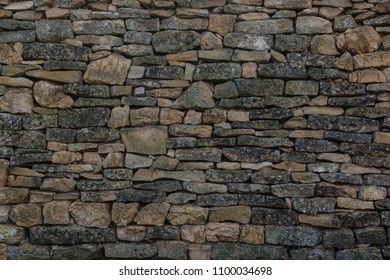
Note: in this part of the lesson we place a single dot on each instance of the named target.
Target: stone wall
(222, 129)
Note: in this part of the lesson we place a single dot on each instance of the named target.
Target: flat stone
(360, 254)
(288, 5)
(222, 232)
(67, 77)
(174, 41)
(313, 25)
(293, 236)
(28, 252)
(217, 71)
(134, 50)
(184, 24)
(16, 100)
(99, 27)
(96, 135)
(272, 26)
(314, 205)
(23, 36)
(77, 252)
(277, 70)
(151, 25)
(339, 238)
(56, 213)
(240, 214)
(124, 213)
(153, 214)
(26, 215)
(263, 87)
(55, 51)
(52, 31)
(293, 190)
(79, 118)
(316, 253)
(237, 251)
(292, 43)
(265, 216)
(248, 41)
(135, 140)
(130, 250)
(11, 234)
(187, 215)
(372, 60)
(58, 184)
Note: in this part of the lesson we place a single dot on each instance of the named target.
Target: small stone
(99, 27)
(339, 238)
(56, 212)
(26, 215)
(153, 214)
(221, 24)
(360, 254)
(318, 43)
(91, 214)
(209, 41)
(356, 204)
(193, 233)
(222, 232)
(288, 4)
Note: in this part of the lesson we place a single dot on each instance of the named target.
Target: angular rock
(28, 252)
(51, 31)
(151, 25)
(79, 118)
(99, 27)
(265, 216)
(316, 253)
(194, 234)
(339, 238)
(164, 72)
(222, 232)
(293, 190)
(197, 97)
(153, 214)
(97, 135)
(313, 25)
(56, 212)
(11, 234)
(248, 41)
(172, 249)
(372, 60)
(77, 252)
(292, 236)
(201, 131)
(341, 178)
(309, 145)
(292, 43)
(225, 176)
(346, 124)
(360, 254)
(240, 214)
(66, 77)
(135, 50)
(91, 214)
(145, 140)
(16, 100)
(236, 251)
(200, 154)
(187, 215)
(263, 87)
(26, 215)
(54, 51)
(360, 40)
(272, 26)
(144, 116)
(51, 95)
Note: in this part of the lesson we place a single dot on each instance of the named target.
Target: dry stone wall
(194, 129)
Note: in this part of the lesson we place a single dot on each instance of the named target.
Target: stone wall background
(222, 129)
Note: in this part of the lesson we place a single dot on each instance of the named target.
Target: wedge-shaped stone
(53, 51)
(248, 41)
(342, 178)
(356, 204)
(99, 27)
(16, 82)
(134, 50)
(197, 97)
(174, 41)
(271, 26)
(146, 140)
(320, 220)
(187, 215)
(66, 77)
(292, 236)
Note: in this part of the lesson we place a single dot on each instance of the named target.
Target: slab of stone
(99, 27)
(293, 236)
(248, 41)
(145, 140)
(55, 51)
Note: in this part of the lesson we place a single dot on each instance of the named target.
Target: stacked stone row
(220, 129)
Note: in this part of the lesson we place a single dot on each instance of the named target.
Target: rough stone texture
(91, 214)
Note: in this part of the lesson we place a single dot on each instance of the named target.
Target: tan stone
(153, 214)
(111, 70)
(165, 163)
(3, 251)
(13, 195)
(56, 146)
(23, 181)
(145, 140)
(238, 116)
(58, 184)
(329, 12)
(56, 212)
(171, 116)
(111, 148)
(91, 214)
(16, 100)
(26, 215)
(64, 157)
(382, 138)
(9, 55)
(16, 82)
(144, 116)
(255, 166)
(334, 157)
(305, 177)
(195, 166)
(253, 16)
(187, 215)
(323, 44)
(51, 95)
(135, 161)
(330, 189)
(186, 176)
(252, 234)
(119, 117)
(355, 204)
(228, 165)
(193, 233)
(199, 252)
(18, 6)
(367, 76)
(66, 77)
(372, 60)
(314, 134)
(372, 193)
(201, 131)
(345, 62)
(295, 122)
(360, 40)
(222, 232)
(131, 233)
(4, 164)
(351, 168)
(40, 197)
(222, 24)
(188, 56)
(91, 157)
(210, 41)
(290, 166)
(56, 13)
(193, 117)
(240, 214)
(124, 213)
(22, 171)
(323, 111)
(249, 70)
(321, 220)
(113, 160)
(367, 15)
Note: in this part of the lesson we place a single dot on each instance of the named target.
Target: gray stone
(316, 146)
(382, 20)
(79, 118)
(347, 137)
(217, 71)
(360, 219)
(164, 232)
(346, 124)
(339, 239)
(276, 70)
(184, 24)
(248, 41)
(77, 252)
(313, 25)
(52, 31)
(315, 60)
(342, 178)
(200, 154)
(99, 27)
(342, 23)
(317, 253)
(23, 139)
(36, 122)
(160, 186)
(261, 200)
(288, 4)
(237, 251)
(302, 88)
(272, 26)
(244, 102)
(80, 90)
(272, 177)
(24, 36)
(174, 41)
(164, 72)
(53, 51)
(373, 236)
(250, 154)
(28, 252)
(326, 74)
(263, 87)
(376, 180)
(134, 50)
(181, 142)
(97, 135)
(292, 43)
(10, 122)
(65, 65)
(227, 176)
(226, 90)
(271, 113)
(293, 190)
(358, 101)
(142, 196)
(134, 37)
(360, 254)
(90, 185)
(197, 97)
(281, 217)
(151, 25)
(13, 24)
(11, 234)
(216, 200)
(343, 88)
(130, 250)
(293, 236)
(314, 205)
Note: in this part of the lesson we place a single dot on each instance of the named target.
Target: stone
(272, 26)
(16, 100)
(16, 82)
(135, 140)
(187, 215)
(292, 43)
(193, 233)
(204, 188)
(56, 213)
(91, 214)
(153, 214)
(339, 238)
(350, 203)
(236, 251)
(292, 236)
(131, 233)
(314, 205)
(374, 235)
(26, 215)
(135, 50)
(96, 135)
(321, 220)
(111, 70)
(360, 40)
(217, 71)
(316, 253)
(371, 60)
(23, 36)
(239, 214)
(130, 250)
(248, 41)
(144, 116)
(9, 55)
(99, 27)
(201, 131)
(261, 216)
(293, 190)
(174, 41)
(66, 77)
(288, 5)
(341, 178)
(222, 232)
(318, 43)
(197, 97)
(52, 31)
(309, 145)
(346, 124)
(313, 25)
(13, 195)
(77, 252)
(360, 254)
(50, 95)
(55, 51)
(172, 249)
(165, 232)
(11, 234)
(184, 24)
(221, 24)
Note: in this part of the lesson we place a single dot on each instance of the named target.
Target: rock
(339, 238)
(187, 215)
(360, 254)
(153, 214)
(52, 31)
(314, 205)
(110, 70)
(144, 116)
(248, 41)
(173, 41)
(239, 214)
(134, 50)
(316, 253)
(67, 77)
(130, 250)
(292, 43)
(277, 70)
(288, 5)
(293, 190)
(119, 117)
(8, 55)
(4, 164)
(302, 88)
(360, 40)
(252, 234)
(77, 252)
(264, 216)
(17, 101)
(194, 234)
(184, 24)
(313, 25)
(172, 249)
(375, 236)
(204, 188)
(201, 131)
(79, 118)
(164, 72)
(145, 140)
(347, 124)
(165, 232)
(221, 24)
(222, 232)
(292, 236)
(11, 234)
(96, 135)
(23, 36)
(26, 215)
(263, 87)
(13, 195)
(91, 214)
(236, 251)
(381, 20)
(372, 60)
(197, 97)
(54, 51)
(99, 27)
(200, 4)
(28, 252)
(56, 212)
(217, 71)
(272, 26)
(51, 95)
(343, 23)
(318, 43)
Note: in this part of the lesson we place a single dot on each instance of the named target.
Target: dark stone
(263, 87)
(165, 232)
(307, 59)
(360, 254)
(340, 89)
(52, 51)
(227, 176)
(10, 122)
(53, 30)
(342, 178)
(80, 90)
(244, 102)
(374, 150)
(259, 124)
(23, 139)
(347, 137)
(281, 217)
(216, 200)
(217, 71)
(142, 101)
(247, 188)
(368, 112)
(345, 124)
(199, 154)
(317, 253)
(286, 102)
(270, 176)
(299, 157)
(49, 168)
(236, 251)
(339, 239)
(365, 100)
(38, 122)
(99, 196)
(99, 27)
(30, 159)
(184, 24)
(151, 25)
(271, 113)
(213, 142)
(165, 72)
(148, 60)
(143, 196)
(130, 250)
(359, 219)
(292, 43)
(11, 234)
(65, 65)
(70, 235)
(315, 146)
(386, 252)
(27, 252)
(6, 152)
(60, 135)
(293, 190)
(261, 200)
(23, 36)
(372, 236)
(265, 142)
(383, 204)
(134, 37)
(80, 118)
(226, 90)
(118, 174)
(276, 70)
(293, 236)
(97, 135)
(334, 191)
(160, 186)
(181, 142)
(134, 50)
(251, 154)
(78, 252)
(174, 41)
(376, 180)
(90, 185)
(314, 205)
(13, 24)
(173, 250)
(326, 74)
(382, 20)
(372, 161)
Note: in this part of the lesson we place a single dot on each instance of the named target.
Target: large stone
(293, 236)
(111, 70)
(187, 215)
(24, 36)
(56, 213)
(153, 214)
(148, 175)
(146, 140)
(53, 51)
(135, 50)
(99, 27)
(193, 233)
(52, 31)
(316, 253)
(360, 40)
(13, 195)
(26, 215)
(174, 41)
(151, 25)
(11, 234)
(313, 25)
(272, 26)
(144, 116)
(240, 214)
(201, 131)
(265, 216)
(86, 117)
(227, 176)
(339, 238)
(316, 146)
(222, 232)
(51, 95)
(130, 250)
(77, 252)
(204, 188)
(372, 60)
(91, 214)
(16, 100)
(346, 124)
(197, 97)
(28, 252)
(237, 251)
(371, 253)
(66, 77)
(248, 41)
(251, 154)
(217, 71)
(184, 24)
(9, 55)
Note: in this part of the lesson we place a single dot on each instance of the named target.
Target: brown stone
(3, 251)
(221, 24)
(209, 41)
(16, 82)
(186, 176)
(56, 212)
(345, 62)
(58, 184)
(372, 193)
(360, 40)
(171, 116)
(193, 233)
(153, 214)
(222, 232)
(323, 44)
(290, 166)
(64, 157)
(144, 116)
(382, 138)
(357, 169)
(16, 100)
(367, 76)
(321, 220)
(131, 233)
(113, 160)
(355, 204)
(240, 214)
(119, 117)
(146, 140)
(313, 25)
(372, 60)
(334, 157)
(66, 77)
(187, 214)
(111, 70)
(252, 234)
(13, 195)
(91, 214)
(9, 55)
(124, 213)
(4, 164)
(26, 215)
(51, 95)
(199, 252)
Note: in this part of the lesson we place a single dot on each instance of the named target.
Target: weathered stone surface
(234, 251)
(239, 214)
(293, 190)
(51, 95)
(272, 26)
(184, 24)
(26, 215)
(16, 100)
(130, 250)
(13, 195)
(91, 214)
(79, 118)
(288, 5)
(53, 30)
(173, 41)
(56, 213)
(248, 41)
(314, 205)
(96, 135)
(292, 236)
(135, 140)
(222, 232)
(263, 87)
(265, 216)
(316, 253)
(77, 252)
(172, 249)
(153, 214)
(221, 24)
(197, 97)
(346, 124)
(28, 252)
(360, 254)
(339, 238)
(54, 51)
(111, 70)
(360, 40)
(277, 70)
(371, 60)
(217, 71)
(292, 43)
(99, 27)
(313, 25)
